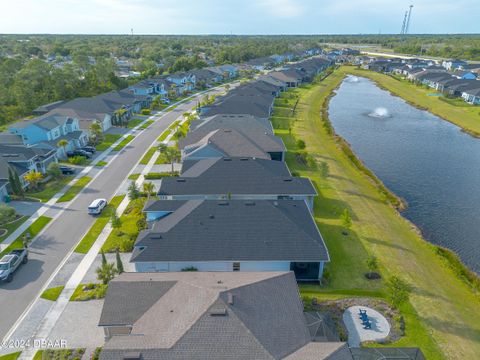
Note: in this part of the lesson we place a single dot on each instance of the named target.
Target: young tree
(34, 177)
(133, 192)
(324, 170)
(149, 188)
(115, 220)
(106, 272)
(96, 131)
(119, 262)
(372, 264)
(14, 184)
(346, 219)
(398, 291)
(53, 170)
(104, 259)
(171, 154)
(301, 144)
(63, 144)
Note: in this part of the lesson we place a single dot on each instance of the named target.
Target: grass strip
(74, 189)
(108, 140)
(52, 294)
(89, 239)
(148, 155)
(124, 143)
(33, 229)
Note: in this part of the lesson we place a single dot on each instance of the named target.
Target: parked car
(67, 170)
(79, 152)
(90, 149)
(11, 262)
(97, 206)
(166, 101)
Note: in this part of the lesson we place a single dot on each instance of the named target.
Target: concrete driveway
(25, 207)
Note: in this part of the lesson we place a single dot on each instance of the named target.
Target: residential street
(66, 230)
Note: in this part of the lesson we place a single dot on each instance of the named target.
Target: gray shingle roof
(240, 122)
(238, 176)
(265, 320)
(236, 230)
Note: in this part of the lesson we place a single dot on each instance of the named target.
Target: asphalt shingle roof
(208, 230)
(239, 176)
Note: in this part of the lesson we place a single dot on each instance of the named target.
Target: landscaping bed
(159, 175)
(59, 354)
(90, 291)
(10, 227)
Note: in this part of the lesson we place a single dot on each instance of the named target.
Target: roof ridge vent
(230, 298)
(218, 310)
(250, 203)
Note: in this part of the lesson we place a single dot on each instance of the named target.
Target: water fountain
(380, 112)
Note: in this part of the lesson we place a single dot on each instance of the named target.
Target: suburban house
(5, 168)
(271, 80)
(211, 315)
(472, 94)
(247, 135)
(257, 106)
(183, 81)
(49, 129)
(233, 235)
(290, 77)
(206, 77)
(32, 158)
(230, 70)
(462, 74)
(235, 179)
(453, 64)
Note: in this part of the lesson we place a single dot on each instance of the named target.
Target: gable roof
(182, 323)
(227, 143)
(263, 230)
(241, 122)
(239, 176)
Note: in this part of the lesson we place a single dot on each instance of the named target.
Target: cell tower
(408, 19)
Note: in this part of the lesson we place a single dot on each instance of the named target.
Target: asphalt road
(64, 232)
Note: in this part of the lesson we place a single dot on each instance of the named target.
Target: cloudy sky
(237, 16)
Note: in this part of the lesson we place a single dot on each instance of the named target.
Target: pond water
(427, 161)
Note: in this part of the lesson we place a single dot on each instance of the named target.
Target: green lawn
(168, 130)
(124, 237)
(124, 142)
(11, 227)
(74, 189)
(101, 163)
(52, 294)
(33, 229)
(108, 140)
(442, 317)
(148, 155)
(49, 189)
(97, 227)
(159, 175)
(11, 356)
(133, 176)
(134, 122)
(467, 117)
(146, 124)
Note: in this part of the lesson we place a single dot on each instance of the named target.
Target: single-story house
(233, 235)
(215, 316)
(237, 179)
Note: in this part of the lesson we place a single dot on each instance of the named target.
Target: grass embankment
(442, 316)
(455, 111)
(97, 227)
(33, 229)
(124, 142)
(52, 294)
(108, 140)
(11, 227)
(74, 189)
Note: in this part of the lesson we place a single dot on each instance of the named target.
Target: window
(236, 266)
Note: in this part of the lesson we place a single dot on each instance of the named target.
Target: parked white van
(97, 206)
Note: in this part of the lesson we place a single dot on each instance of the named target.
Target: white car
(97, 206)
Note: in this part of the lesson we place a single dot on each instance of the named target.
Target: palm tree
(33, 178)
(106, 272)
(63, 144)
(149, 188)
(96, 130)
(170, 153)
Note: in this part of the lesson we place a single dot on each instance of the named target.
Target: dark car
(79, 152)
(67, 170)
(90, 149)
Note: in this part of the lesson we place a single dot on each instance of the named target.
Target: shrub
(156, 175)
(190, 268)
(77, 160)
(145, 112)
(7, 214)
(141, 224)
(53, 170)
(398, 291)
(301, 144)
